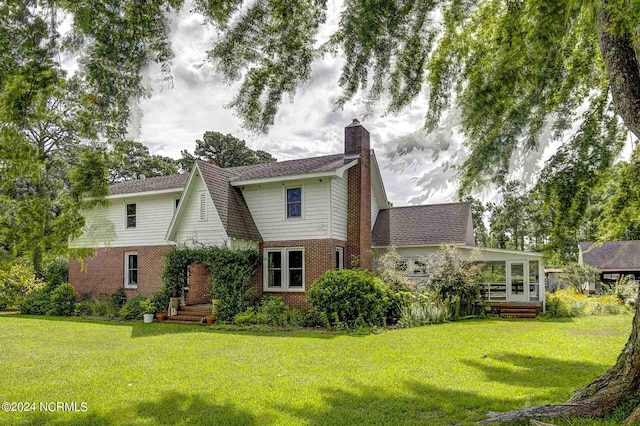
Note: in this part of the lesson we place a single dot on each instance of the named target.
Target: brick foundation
(319, 257)
(104, 272)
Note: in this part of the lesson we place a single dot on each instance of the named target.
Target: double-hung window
(132, 215)
(131, 269)
(284, 269)
(294, 202)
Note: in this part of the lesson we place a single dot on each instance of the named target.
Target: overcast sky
(416, 168)
(171, 119)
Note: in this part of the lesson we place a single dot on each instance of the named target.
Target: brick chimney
(357, 145)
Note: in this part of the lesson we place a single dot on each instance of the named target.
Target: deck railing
(497, 291)
(493, 291)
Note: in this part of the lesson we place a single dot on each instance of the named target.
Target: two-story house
(304, 216)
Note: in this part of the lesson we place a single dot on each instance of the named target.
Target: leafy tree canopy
(132, 160)
(225, 151)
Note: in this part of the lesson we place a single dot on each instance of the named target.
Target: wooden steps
(516, 309)
(194, 314)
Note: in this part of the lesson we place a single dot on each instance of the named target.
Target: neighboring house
(304, 216)
(614, 259)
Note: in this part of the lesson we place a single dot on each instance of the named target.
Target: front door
(517, 281)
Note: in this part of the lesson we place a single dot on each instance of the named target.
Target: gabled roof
(612, 255)
(229, 202)
(418, 225)
(326, 163)
(159, 183)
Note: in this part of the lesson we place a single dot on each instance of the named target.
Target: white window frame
(284, 251)
(202, 206)
(340, 259)
(286, 202)
(126, 216)
(126, 268)
(411, 268)
(176, 203)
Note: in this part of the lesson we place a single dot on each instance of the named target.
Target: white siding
(339, 209)
(190, 229)
(374, 207)
(267, 205)
(105, 226)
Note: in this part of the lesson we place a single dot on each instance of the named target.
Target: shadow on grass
(550, 380)
(139, 329)
(557, 376)
(173, 408)
(414, 403)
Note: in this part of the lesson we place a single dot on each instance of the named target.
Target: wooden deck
(515, 309)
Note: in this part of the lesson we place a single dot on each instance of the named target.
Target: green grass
(164, 374)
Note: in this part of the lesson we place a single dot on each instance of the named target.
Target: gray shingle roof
(229, 202)
(612, 255)
(430, 224)
(150, 184)
(325, 163)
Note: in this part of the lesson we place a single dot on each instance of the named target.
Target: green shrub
(418, 314)
(305, 318)
(133, 308)
(83, 309)
(249, 317)
(454, 280)
(56, 274)
(63, 301)
(625, 289)
(274, 310)
(118, 298)
(102, 308)
(17, 282)
(569, 303)
(388, 268)
(352, 298)
(160, 301)
(36, 303)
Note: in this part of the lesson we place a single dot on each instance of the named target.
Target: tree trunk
(623, 70)
(619, 384)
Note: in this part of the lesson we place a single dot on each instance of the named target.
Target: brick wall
(104, 272)
(319, 257)
(356, 142)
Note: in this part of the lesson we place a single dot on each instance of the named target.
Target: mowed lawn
(164, 374)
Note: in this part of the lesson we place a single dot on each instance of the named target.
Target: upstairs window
(131, 215)
(294, 202)
(177, 203)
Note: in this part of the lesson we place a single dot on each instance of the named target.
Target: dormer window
(294, 202)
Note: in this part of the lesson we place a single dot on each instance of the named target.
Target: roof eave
(142, 193)
(339, 172)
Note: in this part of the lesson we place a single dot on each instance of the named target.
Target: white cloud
(171, 120)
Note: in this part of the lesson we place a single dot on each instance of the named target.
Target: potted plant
(148, 309)
(211, 319)
(161, 316)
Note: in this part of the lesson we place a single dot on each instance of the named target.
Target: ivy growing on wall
(231, 272)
